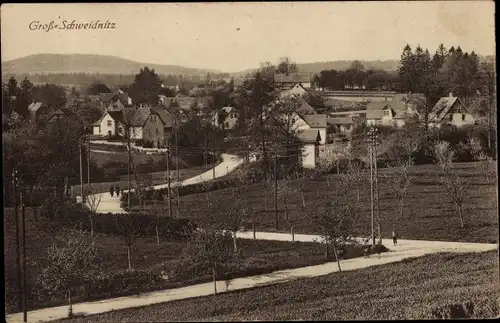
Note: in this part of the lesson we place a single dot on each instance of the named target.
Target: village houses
(226, 118)
(450, 110)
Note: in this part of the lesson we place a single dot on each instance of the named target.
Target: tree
(285, 66)
(93, 201)
(285, 193)
(231, 217)
(316, 101)
(334, 224)
(52, 95)
(146, 87)
(129, 227)
(209, 250)
(97, 88)
(454, 185)
(143, 182)
(69, 264)
(400, 182)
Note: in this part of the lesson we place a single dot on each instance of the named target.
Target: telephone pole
(375, 144)
(371, 188)
(25, 289)
(168, 181)
(276, 189)
(88, 167)
(81, 171)
(18, 256)
(177, 149)
(213, 158)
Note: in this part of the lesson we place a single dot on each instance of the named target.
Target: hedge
(138, 223)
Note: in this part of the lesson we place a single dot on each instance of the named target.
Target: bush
(147, 144)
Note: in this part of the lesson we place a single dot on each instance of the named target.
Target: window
(463, 117)
(153, 118)
(110, 123)
(157, 131)
(386, 113)
(227, 124)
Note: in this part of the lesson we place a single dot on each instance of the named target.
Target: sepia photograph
(249, 161)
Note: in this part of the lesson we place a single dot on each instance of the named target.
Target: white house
(230, 116)
(287, 81)
(296, 91)
(450, 110)
(110, 124)
(388, 113)
(310, 153)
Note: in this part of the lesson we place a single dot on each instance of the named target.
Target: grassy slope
(429, 211)
(410, 289)
(258, 256)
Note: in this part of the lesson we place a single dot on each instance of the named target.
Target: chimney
(450, 94)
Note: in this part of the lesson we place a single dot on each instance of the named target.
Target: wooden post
(276, 190)
(253, 229)
(25, 288)
(168, 183)
(293, 234)
(18, 253)
(81, 172)
(371, 189)
(376, 186)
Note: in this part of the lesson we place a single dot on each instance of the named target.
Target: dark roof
(308, 136)
(292, 78)
(305, 108)
(116, 115)
(33, 107)
(315, 120)
(64, 112)
(340, 121)
(443, 106)
(109, 97)
(106, 97)
(165, 116)
(374, 109)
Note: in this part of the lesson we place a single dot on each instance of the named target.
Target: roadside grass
(435, 286)
(429, 213)
(258, 257)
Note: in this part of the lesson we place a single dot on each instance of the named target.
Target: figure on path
(394, 237)
(117, 190)
(111, 190)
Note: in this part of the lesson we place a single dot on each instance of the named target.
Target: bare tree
(69, 265)
(207, 186)
(285, 193)
(209, 250)
(174, 190)
(335, 225)
(455, 186)
(399, 184)
(232, 216)
(93, 201)
(127, 131)
(129, 226)
(143, 183)
(487, 166)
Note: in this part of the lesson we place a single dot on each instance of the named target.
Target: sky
(231, 37)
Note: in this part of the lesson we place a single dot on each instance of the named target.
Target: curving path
(405, 249)
(229, 163)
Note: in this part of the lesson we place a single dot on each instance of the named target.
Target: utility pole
(168, 182)
(276, 189)
(213, 158)
(18, 256)
(176, 149)
(371, 188)
(81, 171)
(88, 167)
(25, 289)
(375, 143)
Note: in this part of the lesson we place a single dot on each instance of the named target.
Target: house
(288, 81)
(388, 113)
(38, 112)
(114, 101)
(186, 103)
(450, 110)
(296, 91)
(339, 127)
(305, 108)
(316, 122)
(226, 118)
(310, 138)
(66, 115)
(145, 124)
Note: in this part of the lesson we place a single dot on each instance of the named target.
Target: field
(258, 257)
(429, 212)
(435, 286)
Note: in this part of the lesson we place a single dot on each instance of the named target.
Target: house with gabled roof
(145, 124)
(287, 81)
(114, 101)
(389, 113)
(226, 118)
(39, 112)
(451, 110)
(297, 90)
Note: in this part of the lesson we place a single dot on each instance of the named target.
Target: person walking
(111, 190)
(117, 190)
(394, 237)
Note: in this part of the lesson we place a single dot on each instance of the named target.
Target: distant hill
(85, 63)
(390, 65)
